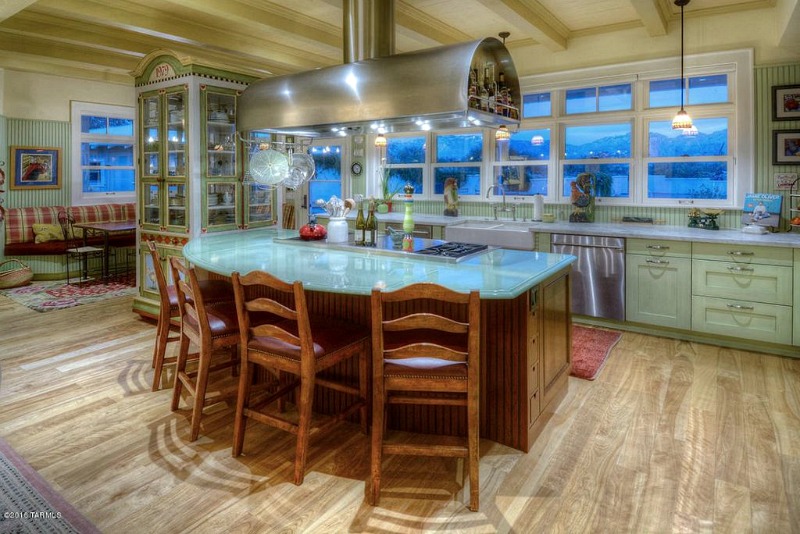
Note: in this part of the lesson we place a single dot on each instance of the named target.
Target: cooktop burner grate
(452, 249)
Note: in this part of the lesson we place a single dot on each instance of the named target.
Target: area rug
(590, 348)
(48, 296)
(29, 504)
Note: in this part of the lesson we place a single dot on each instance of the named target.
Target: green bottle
(360, 225)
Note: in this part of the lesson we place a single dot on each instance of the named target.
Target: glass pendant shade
(682, 121)
(380, 141)
(502, 133)
(537, 140)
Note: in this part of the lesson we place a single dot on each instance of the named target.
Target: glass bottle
(483, 90)
(371, 226)
(502, 97)
(360, 225)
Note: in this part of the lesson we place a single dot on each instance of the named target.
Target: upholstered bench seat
(21, 239)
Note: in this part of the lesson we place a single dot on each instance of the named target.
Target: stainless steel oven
(598, 277)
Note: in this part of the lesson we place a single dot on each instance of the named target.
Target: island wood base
(525, 364)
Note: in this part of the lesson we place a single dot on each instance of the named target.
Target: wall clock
(356, 168)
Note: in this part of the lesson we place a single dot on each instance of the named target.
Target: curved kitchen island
(525, 331)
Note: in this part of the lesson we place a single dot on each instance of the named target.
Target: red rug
(590, 348)
(48, 296)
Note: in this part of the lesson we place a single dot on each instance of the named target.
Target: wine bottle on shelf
(371, 226)
(502, 98)
(483, 90)
(360, 224)
(491, 88)
(473, 89)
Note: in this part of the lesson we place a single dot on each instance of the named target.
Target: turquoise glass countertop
(498, 273)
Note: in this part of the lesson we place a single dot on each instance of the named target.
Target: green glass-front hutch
(190, 173)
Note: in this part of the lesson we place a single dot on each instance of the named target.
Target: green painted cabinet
(796, 328)
(742, 291)
(658, 283)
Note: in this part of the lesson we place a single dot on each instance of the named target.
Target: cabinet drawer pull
(741, 269)
(657, 262)
(740, 253)
(657, 247)
(740, 307)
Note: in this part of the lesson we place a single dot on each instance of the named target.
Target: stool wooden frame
(430, 359)
(295, 347)
(210, 329)
(214, 292)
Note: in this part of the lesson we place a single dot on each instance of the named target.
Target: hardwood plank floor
(672, 437)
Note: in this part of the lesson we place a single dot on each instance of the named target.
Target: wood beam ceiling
(534, 19)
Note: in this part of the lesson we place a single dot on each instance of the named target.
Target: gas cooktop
(452, 249)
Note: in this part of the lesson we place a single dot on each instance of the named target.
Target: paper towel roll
(538, 207)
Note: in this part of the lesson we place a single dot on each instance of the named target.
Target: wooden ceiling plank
(9, 8)
(653, 19)
(534, 19)
(420, 22)
(33, 45)
(136, 18)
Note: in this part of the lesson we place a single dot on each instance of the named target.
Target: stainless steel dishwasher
(598, 277)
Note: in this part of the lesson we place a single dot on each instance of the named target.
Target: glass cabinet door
(151, 136)
(176, 205)
(222, 200)
(259, 204)
(220, 134)
(151, 204)
(176, 134)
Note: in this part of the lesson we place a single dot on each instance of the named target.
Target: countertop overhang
(497, 274)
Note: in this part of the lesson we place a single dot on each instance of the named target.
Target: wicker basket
(18, 274)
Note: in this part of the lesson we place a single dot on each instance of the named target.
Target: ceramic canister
(337, 230)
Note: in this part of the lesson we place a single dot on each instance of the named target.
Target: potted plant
(388, 192)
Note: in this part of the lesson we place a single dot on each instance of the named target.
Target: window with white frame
(621, 132)
(103, 149)
(459, 155)
(522, 165)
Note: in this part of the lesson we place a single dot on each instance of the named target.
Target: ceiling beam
(653, 18)
(534, 19)
(9, 8)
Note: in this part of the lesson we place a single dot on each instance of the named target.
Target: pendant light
(682, 120)
(502, 133)
(380, 141)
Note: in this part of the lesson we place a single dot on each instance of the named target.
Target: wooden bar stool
(422, 357)
(210, 328)
(214, 292)
(296, 347)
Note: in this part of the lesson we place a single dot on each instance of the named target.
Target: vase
(384, 207)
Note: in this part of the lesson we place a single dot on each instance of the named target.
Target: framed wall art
(786, 103)
(35, 167)
(786, 147)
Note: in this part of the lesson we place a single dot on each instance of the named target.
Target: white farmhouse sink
(504, 234)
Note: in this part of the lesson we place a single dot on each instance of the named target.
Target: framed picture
(786, 103)
(786, 147)
(35, 167)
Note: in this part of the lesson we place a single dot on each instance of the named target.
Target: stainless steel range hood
(427, 89)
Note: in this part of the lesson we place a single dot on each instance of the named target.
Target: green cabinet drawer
(745, 282)
(750, 320)
(742, 253)
(796, 329)
(659, 247)
(658, 290)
